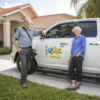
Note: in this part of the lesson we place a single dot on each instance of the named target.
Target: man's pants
(75, 68)
(25, 56)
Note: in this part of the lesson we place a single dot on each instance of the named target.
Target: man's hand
(78, 54)
(19, 49)
(43, 33)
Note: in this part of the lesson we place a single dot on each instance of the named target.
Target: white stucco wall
(1, 32)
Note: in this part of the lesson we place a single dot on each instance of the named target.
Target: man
(22, 40)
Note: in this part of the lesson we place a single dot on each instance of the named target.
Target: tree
(91, 8)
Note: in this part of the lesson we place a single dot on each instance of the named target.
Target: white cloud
(7, 5)
(60, 7)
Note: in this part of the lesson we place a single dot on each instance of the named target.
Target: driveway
(7, 57)
(6, 63)
(90, 87)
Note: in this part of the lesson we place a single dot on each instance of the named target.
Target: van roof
(73, 20)
(85, 19)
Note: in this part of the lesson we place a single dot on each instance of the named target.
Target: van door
(54, 50)
(92, 57)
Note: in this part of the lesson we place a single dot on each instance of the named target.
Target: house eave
(2, 18)
(19, 10)
(10, 13)
(31, 8)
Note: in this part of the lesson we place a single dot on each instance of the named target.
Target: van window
(61, 31)
(89, 28)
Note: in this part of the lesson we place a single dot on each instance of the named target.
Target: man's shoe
(24, 85)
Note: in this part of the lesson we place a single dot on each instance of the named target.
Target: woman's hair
(76, 28)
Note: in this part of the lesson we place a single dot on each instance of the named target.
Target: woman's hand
(69, 61)
(78, 54)
(70, 58)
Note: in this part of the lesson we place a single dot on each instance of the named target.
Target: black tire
(31, 69)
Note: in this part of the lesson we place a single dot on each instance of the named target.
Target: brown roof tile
(1, 9)
(41, 20)
(51, 19)
(7, 10)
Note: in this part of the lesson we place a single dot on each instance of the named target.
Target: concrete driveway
(90, 87)
(7, 57)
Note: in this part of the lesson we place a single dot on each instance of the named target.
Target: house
(43, 22)
(11, 18)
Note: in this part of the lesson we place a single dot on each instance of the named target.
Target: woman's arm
(83, 48)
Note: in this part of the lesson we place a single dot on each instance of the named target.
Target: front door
(54, 50)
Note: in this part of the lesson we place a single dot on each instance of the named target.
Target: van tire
(31, 69)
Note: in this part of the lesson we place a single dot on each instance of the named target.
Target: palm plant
(88, 9)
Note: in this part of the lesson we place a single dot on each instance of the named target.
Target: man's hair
(27, 19)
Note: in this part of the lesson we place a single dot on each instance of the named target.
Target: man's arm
(83, 47)
(37, 33)
(14, 39)
(15, 44)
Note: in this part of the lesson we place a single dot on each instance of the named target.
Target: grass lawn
(4, 51)
(10, 89)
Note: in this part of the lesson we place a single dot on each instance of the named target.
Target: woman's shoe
(77, 87)
(71, 88)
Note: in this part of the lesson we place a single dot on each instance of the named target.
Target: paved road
(90, 87)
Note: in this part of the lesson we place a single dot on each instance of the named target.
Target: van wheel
(31, 68)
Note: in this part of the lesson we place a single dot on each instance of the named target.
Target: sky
(43, 7)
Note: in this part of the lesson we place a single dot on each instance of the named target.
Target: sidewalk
(6, 63)
(5, 57)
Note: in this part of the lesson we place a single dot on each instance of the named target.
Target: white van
(54, 48)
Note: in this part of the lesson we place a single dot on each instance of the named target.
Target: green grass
(10, 89)
(5, 50)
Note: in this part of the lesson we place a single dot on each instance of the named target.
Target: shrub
(1, 43)
(4, 51)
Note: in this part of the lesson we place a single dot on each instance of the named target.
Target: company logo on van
(54, 50)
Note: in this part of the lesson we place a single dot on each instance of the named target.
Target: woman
(76, 58)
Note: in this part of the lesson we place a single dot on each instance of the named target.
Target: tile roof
(51, 19)
(7, 10)
(40, 20)
(1, 8)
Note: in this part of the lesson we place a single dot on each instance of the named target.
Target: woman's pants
(75, 68)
